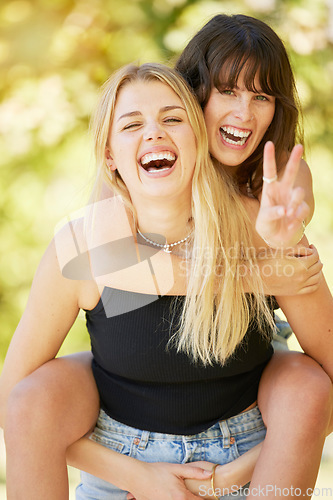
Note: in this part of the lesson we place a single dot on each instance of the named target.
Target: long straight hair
(217, 311)
(215, 57)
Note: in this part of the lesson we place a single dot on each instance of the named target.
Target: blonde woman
(178, 343)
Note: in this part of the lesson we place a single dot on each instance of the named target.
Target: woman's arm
(51, 310)
(146, 481)
(311, 318)
(296, 272)
(281, 210)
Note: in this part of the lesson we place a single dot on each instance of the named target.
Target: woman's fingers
(282, 191)
(314, 272)
(302, 211)
(301, 252)
(308, 256)
(315, 275)
(299, 217)
(291, 170)
(269, 165)
(311, 275)
(312, 285)
(292, 166)
(187, 471)
(178, 472)
(273, 213)
(296, 199)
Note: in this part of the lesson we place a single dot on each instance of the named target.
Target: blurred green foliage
(54, 55)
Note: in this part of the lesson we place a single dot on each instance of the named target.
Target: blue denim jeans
(280, 338)
(221, 443)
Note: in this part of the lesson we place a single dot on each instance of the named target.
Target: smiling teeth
(163, 155)
(236, 132)
(241, 135)
(238, 143)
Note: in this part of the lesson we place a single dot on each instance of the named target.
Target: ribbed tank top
(147, 384)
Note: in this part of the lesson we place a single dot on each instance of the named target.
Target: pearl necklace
(167, 247)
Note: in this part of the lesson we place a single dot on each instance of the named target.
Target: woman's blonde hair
(217, 312)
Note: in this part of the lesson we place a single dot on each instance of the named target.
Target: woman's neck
(230, 169)
(172, 220)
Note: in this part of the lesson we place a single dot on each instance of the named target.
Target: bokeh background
(55, 54)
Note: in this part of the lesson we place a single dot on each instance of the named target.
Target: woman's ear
(109, 160)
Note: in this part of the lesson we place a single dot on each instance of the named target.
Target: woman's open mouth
(158, 162)
(234, 136)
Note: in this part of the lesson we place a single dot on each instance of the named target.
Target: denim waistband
(247, 421)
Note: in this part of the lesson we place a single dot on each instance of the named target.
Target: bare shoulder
(51, 272)
(88, 248)
(89, 229)
(72, 248)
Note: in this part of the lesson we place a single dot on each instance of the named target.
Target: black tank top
(146, 384)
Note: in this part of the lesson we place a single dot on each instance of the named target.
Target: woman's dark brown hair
(215, 57)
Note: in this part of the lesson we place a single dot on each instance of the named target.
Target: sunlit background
(54, 55)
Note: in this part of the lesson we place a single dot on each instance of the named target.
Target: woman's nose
(153, 131)
(243, 110)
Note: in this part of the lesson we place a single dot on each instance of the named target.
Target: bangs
(253, 67)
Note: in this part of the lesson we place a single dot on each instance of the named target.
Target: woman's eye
(131, 125)
(227, 91)
(172, 119)
(261, 98)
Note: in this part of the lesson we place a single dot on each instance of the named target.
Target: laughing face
(151, 142)
(236, 121)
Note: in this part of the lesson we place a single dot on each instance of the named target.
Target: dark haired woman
(241, 75)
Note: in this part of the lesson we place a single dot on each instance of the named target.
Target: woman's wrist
(227, 478)
(232, 476)
(292, 242)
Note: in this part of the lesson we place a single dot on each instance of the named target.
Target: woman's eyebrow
(170, 108)
(131, 113)
(162, 110)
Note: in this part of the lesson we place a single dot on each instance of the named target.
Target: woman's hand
(295, 272)
(282, 207)
(203, 487)
(228, 477)
(165, 481)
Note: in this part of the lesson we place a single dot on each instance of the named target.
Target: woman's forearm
(142, 479)
(239, 471)
(121, 470)
(96, 459)
(311, 319)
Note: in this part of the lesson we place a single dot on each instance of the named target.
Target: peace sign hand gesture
(282, 207)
